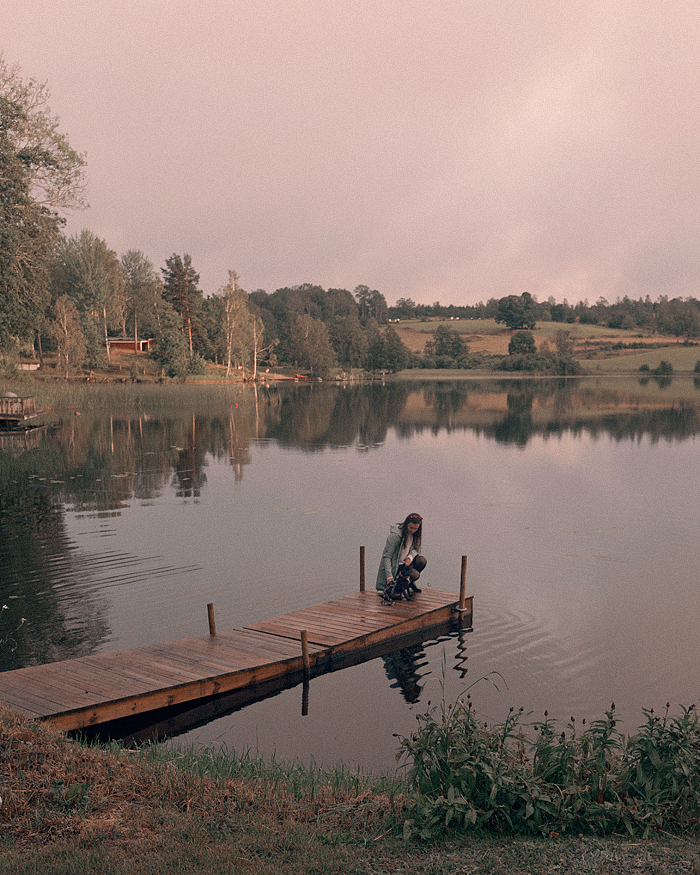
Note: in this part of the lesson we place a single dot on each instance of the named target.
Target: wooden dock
(92, 690)
(14, 409)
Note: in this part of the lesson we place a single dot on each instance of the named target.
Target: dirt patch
(491, 344)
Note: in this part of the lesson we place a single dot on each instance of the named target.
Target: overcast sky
(438, 150)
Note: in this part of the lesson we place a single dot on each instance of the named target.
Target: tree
(564, 343)
(447, 343)
(54, 171)
(40, 176)
(235, 320)
(378, 307)
(349, 341)
(139, 277)
(66, 331)
(339, 302)
(312, 346)
(372, 304)
(678, 317)
(517, 312)
(258, 331)
(396, 354)
(89, 272)
(180, 280)
(405, 308)
(522, 343)
(386, 351)
(171, 352)
(364, 298)
(14, 202)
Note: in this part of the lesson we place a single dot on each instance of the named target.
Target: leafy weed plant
(466, 774)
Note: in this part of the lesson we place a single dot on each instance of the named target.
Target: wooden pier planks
(89, 690)
(360, 620)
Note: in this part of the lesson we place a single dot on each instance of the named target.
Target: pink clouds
(433, 150)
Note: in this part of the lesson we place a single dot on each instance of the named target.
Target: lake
(576, 501)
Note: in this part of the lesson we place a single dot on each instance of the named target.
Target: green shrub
(522, 343)
(197, 366)
(468, 775)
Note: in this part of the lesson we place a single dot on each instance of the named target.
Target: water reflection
(403, 669)
(96, 467)
(36, 558)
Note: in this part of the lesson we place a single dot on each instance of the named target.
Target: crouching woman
(401, 555)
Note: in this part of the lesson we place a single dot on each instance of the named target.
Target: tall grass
(297, 779)
(53, 785)
(683, 358)
(58, 396)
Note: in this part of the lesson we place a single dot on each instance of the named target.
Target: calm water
(577, 503)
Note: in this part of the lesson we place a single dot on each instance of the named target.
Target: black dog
(402, 587)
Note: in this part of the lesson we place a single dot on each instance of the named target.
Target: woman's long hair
(416, 535)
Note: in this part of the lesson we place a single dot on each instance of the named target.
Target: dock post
(362, 569)
(463, 584)
(212, 624)
(305, 652)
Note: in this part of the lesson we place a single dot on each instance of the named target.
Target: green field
(486, 335)
(542, 329)
(682, 358)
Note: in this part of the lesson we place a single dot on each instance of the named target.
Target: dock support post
(305, 652)
(212, 624)
(464, 610)
(362, 569)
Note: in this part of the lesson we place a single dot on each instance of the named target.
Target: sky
(438, 150)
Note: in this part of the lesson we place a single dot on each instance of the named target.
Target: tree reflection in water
(98, 464)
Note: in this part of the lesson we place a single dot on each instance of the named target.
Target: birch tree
(65, 329)
(236, 319)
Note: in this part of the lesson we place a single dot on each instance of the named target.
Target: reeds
(71, 397)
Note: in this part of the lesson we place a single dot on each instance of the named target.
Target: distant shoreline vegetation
(307, 331)
(349, 349)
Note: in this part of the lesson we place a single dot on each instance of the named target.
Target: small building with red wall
(130, 344)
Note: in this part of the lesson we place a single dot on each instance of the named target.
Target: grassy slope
(486, 336)
(67, 808)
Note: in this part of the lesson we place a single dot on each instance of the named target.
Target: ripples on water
(578, 509)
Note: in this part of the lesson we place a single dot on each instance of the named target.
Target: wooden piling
(463, 585)
(305, 652)
(362, 569)
(212, 624)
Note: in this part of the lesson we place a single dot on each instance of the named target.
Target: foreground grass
(70, 808)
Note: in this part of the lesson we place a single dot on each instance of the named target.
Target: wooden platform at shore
(14, 409)
(92, 690)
